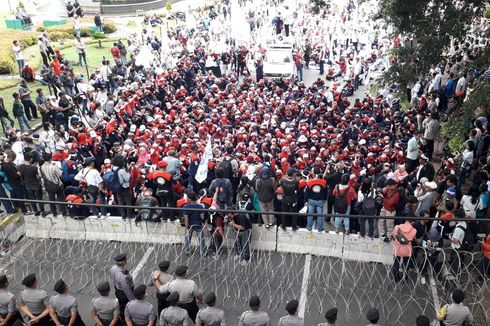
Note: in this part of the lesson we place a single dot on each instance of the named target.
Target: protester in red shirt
(391, 196)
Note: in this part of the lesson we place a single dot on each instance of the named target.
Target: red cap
(162, 164)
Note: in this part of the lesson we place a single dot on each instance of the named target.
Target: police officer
(210, 316)
(8, 305)
(122, 281)
(139, 312)
(174, 315)
(163, 278)
(254, 316)
(105, 310)
(63, 308)
(331, 316)
(34, 302)
(187, 289)
(291, 319)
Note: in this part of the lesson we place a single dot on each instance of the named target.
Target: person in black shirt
(242, 224)
(15, 181)
(289, 185)
(31, 180)
(333, 179)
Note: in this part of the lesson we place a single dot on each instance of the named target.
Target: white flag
(202, 170)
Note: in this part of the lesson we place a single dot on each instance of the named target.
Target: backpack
(146, 214)
(369, 205)
(244, 208)
(401, 238)
(227, 169)
(112, 182)
(468, 242)
(222, 195)
(340, 201)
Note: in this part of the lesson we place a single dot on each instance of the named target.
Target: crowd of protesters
(135, 133)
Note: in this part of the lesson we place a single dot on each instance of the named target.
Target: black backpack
(369, 204)
(146, 214)
(340, 201)
(222, 193)
(468, 242)
(227, 169)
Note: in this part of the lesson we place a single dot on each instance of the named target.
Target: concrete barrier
(12, 227)
(305, 242)
(262, 239)
(365, 249)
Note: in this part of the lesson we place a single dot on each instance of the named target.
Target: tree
(433, 24)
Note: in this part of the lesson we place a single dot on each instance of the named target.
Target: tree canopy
(433, 24)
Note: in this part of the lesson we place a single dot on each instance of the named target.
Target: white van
(278, 61)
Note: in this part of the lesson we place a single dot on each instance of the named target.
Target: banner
(202, 170)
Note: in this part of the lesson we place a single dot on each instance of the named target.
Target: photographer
(242, 224)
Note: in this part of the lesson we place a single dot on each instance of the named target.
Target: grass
(6, 94)
(95, 54)
(94, 59)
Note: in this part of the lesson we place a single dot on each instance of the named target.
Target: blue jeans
(346, 219)
(242, 244)
(100, 28)
(6, 204)
(315, 207)
(21, 64)
(24, 124)
(200, 238)
(299, 70)
(465, 172)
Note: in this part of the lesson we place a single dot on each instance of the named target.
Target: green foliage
(318, 5)
(98, 35)
(168, 6)
(433, 24)
(7, 60)
(374, 88)
(457, 128)
(109, 26)
(487, 12)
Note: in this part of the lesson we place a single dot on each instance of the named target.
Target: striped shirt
(51, 172)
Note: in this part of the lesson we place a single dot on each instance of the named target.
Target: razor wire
(352, 285)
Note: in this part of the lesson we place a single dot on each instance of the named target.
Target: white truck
(278, 61)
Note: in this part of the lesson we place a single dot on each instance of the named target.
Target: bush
(59, 35)
(99, 35)
(109, 26)
(459, 124)
(7, 60)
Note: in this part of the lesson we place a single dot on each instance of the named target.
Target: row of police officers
(178, 300)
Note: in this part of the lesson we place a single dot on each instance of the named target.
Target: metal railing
(234, 211)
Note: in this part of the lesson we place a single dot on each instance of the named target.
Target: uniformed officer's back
(187, 289)
(122, 281)
(140, 312)
(104, 308)
(331, 317)
(254, 317)
(291, 319)
(63, 307)
(210, 316)
(34, 302)
(8, 304)
(174, 315)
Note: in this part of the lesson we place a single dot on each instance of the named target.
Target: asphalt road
(277, 278)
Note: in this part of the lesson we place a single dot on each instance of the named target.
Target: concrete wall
(272, 239)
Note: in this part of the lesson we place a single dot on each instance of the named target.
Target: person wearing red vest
(315, 195)
(164, 192)
(343, 195)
